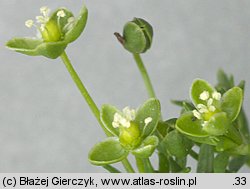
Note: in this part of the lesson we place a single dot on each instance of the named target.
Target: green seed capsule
(130, 137)
(137, 36)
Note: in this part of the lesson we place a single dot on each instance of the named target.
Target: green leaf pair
(115, 149)
(213, 116)
(57, 32)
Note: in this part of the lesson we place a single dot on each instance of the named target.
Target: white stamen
(209, 102)
(201, 106)
(147, 120)
(29, 23)
(41, 19)
(216, 95)
(71, 19)
(61, 14)
(211, 108)
(204, 95)
(115, 124)
(45, 11)
(129, 113)
(197, 114)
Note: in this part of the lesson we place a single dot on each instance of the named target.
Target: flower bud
(137, 36)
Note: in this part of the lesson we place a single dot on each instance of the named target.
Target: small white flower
(148, 120)
(29, 23)
(61, 14)
(216, 95)
(204, 95)
(197, 114)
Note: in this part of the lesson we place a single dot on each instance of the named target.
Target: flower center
(129, 131)
(50, 29)
(208, 109)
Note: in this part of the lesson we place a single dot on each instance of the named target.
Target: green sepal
(62, 22)
(107, 116)
(107, 152)
(231, 102)
(189, 125)
(176, 144)
(197, 88)
(36, 47)
(78, 27)
(217, 125)
(147, 147)
(151, 108)
(137, 36)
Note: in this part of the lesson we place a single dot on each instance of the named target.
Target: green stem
(127, 166)
(111, 169)
(145, 75)
(148, 166)
(193, 154)
(140, 165)
(90, 102)
(83, 90)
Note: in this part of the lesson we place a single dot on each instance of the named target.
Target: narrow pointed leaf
(221, 162)
(236, 163)
(206, 159)
(107, 152)
(231, 102)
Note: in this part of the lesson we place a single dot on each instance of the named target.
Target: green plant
(212, 127)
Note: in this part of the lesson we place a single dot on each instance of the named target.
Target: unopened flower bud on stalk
(137, 36)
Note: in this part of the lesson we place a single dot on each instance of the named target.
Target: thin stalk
(111, 169)
(128, 166)
(148, 166)
(140, 165)
(83, 90)
(193, 154)
(89, 101)
(145, 75)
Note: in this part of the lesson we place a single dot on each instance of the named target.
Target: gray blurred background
(46, 126)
